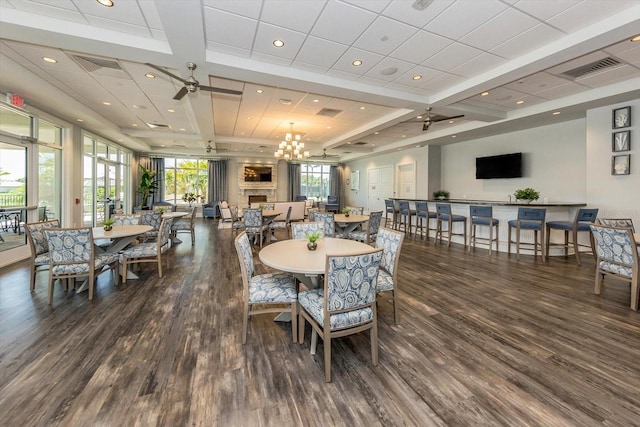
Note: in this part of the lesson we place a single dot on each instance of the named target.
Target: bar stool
(405, 214)
(583, 219)
(444, 215)
(483, 216)
(423, 217)
(390, 209)
(528, 219)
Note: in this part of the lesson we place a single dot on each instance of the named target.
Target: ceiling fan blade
(181, 93)
(168, 73)
(220, 90)
(425, 126)
(447, 118)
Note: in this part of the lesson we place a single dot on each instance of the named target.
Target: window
(314, 181)
(185, 176)
(14, 122)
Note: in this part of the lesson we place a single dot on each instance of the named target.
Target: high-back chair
(345, 305)
(254, 225)
(126, 219)
(390, 213)
(370, 232)
(529, 219)
(265, 289)
(483, 216)
(327, 218)
(299, 230)
(423, 219)
(390, 241)
(72, 255)
(282, 225)
(617, 222)
(332, 204)
(444, 216)
(617, 256)
(268, 206)
(148, 252)
(580, 224)
(39, 246)
(236, 223)
(186, 225)
(355, 210)
(311, 214)
(153, 219)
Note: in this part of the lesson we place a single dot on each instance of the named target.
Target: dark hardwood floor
(482, 340)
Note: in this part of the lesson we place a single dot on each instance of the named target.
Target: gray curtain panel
(293, 170)
(217, 180)
(335, 182)
(155, 164)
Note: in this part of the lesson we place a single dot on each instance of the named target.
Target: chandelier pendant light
(291, 148)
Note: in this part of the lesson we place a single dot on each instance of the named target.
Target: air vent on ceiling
(359, 143)
(157, 125)
(101, 66)
(593, 67)
(328, 112)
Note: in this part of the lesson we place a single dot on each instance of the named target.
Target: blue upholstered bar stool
(483, 216)
(404, 215)
(423, 219)
(528, 219)
(444, 215)
(583, 219)
(390, 214)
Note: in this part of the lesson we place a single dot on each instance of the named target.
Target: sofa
(297, 211)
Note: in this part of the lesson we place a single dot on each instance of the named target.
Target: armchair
(209, 210)
(333, 204)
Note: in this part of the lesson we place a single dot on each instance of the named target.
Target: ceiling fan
(324, 155)
(433, 118)
(191, 85)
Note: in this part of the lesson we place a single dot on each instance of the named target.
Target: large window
(184, 176)
(314, 181)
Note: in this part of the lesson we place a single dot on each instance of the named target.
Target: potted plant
(441, 195)
(312, 240)
(526, 195)
(190, 198)
(148, 185)
(108, 224)
(346, 211)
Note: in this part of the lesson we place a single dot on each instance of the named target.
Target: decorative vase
(346, 215)
(108, 227)
(312, 246)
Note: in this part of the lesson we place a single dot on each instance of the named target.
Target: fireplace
(257, 198)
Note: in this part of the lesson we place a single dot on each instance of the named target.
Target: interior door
(379, 187)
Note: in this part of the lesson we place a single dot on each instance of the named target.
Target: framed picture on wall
(621, 117)
(620, 164)
(621, 141)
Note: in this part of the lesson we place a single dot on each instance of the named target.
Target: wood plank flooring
(482, 340)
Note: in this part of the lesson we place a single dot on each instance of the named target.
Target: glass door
(13, 194)
(106, 182)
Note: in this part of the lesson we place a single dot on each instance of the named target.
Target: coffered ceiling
(533, 57)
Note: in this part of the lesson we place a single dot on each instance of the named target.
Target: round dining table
(346, 224)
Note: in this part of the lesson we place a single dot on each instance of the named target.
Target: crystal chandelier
(291, 148)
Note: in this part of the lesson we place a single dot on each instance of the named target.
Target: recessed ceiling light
(357, 62)
(417, 77)
(316, 100)
(106, 103)
(520, 102)
(376, 133)
(450, 121)
(418, 146)
(278, 43)
(363, 108)
(636, 38)
(150, 75)
(259, 91)
(171, 110)
(134, 125)
(120, 140)
(484, 94)
(161, 145)
(404, 136)
(49, 60)
(183, 129)
(79, 120)
(555, 113)
(453, 136)
(328, 127)
(106, 3)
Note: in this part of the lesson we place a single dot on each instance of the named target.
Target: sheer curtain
(293, 170)
(155, 164)
(217, 180)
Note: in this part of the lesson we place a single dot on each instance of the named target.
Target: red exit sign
(15, 100)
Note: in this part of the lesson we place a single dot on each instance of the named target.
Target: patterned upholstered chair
(72, 254)
(444, 216)
(423, 219)
(617, 222)
(39, 246)
(153, 219)
(270, 291)
(345, 305)
(126, 219)
(531, 219)
(483, 216)
(268, 206)
(282, 225)
(580, 224)
(327, 218)
(149, 251)
(311, 214)
(617, 255)
(185, 225)
(355, 210)
(254, 225)
(299, 230)
(390, 241)
(369, 234)
(236, 223)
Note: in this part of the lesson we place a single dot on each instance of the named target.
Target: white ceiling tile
(426, 73)
(342, 23)
(407, 88)
(343, 74)
(150, 13)
(258, 56)
(248, 8)
(527, 41)
(510, 23)
(452, 56)
(309, 67)
(384, 36)
(464, 16)
(376, 6)
(587, 12)
(267, 33)
(442, 82)
(420, 46)
(569, 88)
(158, 35)
(126, 12)
(369, 60)
(296, 15)
(404, 12)
(627, 50)
(213, 48)
(388, 64)
(320, 52)
(372, 80)
(229, 29)
(64, 9)
(545, 9)
(537, 83)
(124, 27)
(478, 65)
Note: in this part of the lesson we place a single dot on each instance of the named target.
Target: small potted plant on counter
(526, 195)
(441, 195)
(108, 224)
(346, 212)
(312, 240)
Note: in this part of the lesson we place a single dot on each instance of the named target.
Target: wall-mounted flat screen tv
(502, 166)
(257, 174)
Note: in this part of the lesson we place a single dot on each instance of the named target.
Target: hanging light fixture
(209, 147)
(291, 148)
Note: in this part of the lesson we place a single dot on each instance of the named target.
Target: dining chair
(617, 256)
(264, 289)
(345, 305)
(355, 210)
(126, 219)
(580, 224)
(390, 213)
(617, 222)
(444, 216)
(483, 216)
(186, 225)
(153, 219)
(370, 232)
(332, 204)
(39, 247)
(268, 206)
(327, 218)
(72, 254)
(148, 251)
(311, 214)
(299, 230)
(254, 225)
(282, 225)
(390, 241)
(529, 219)
(423, 219)
(236, 223)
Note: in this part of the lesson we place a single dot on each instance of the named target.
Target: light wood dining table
(346, 224)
